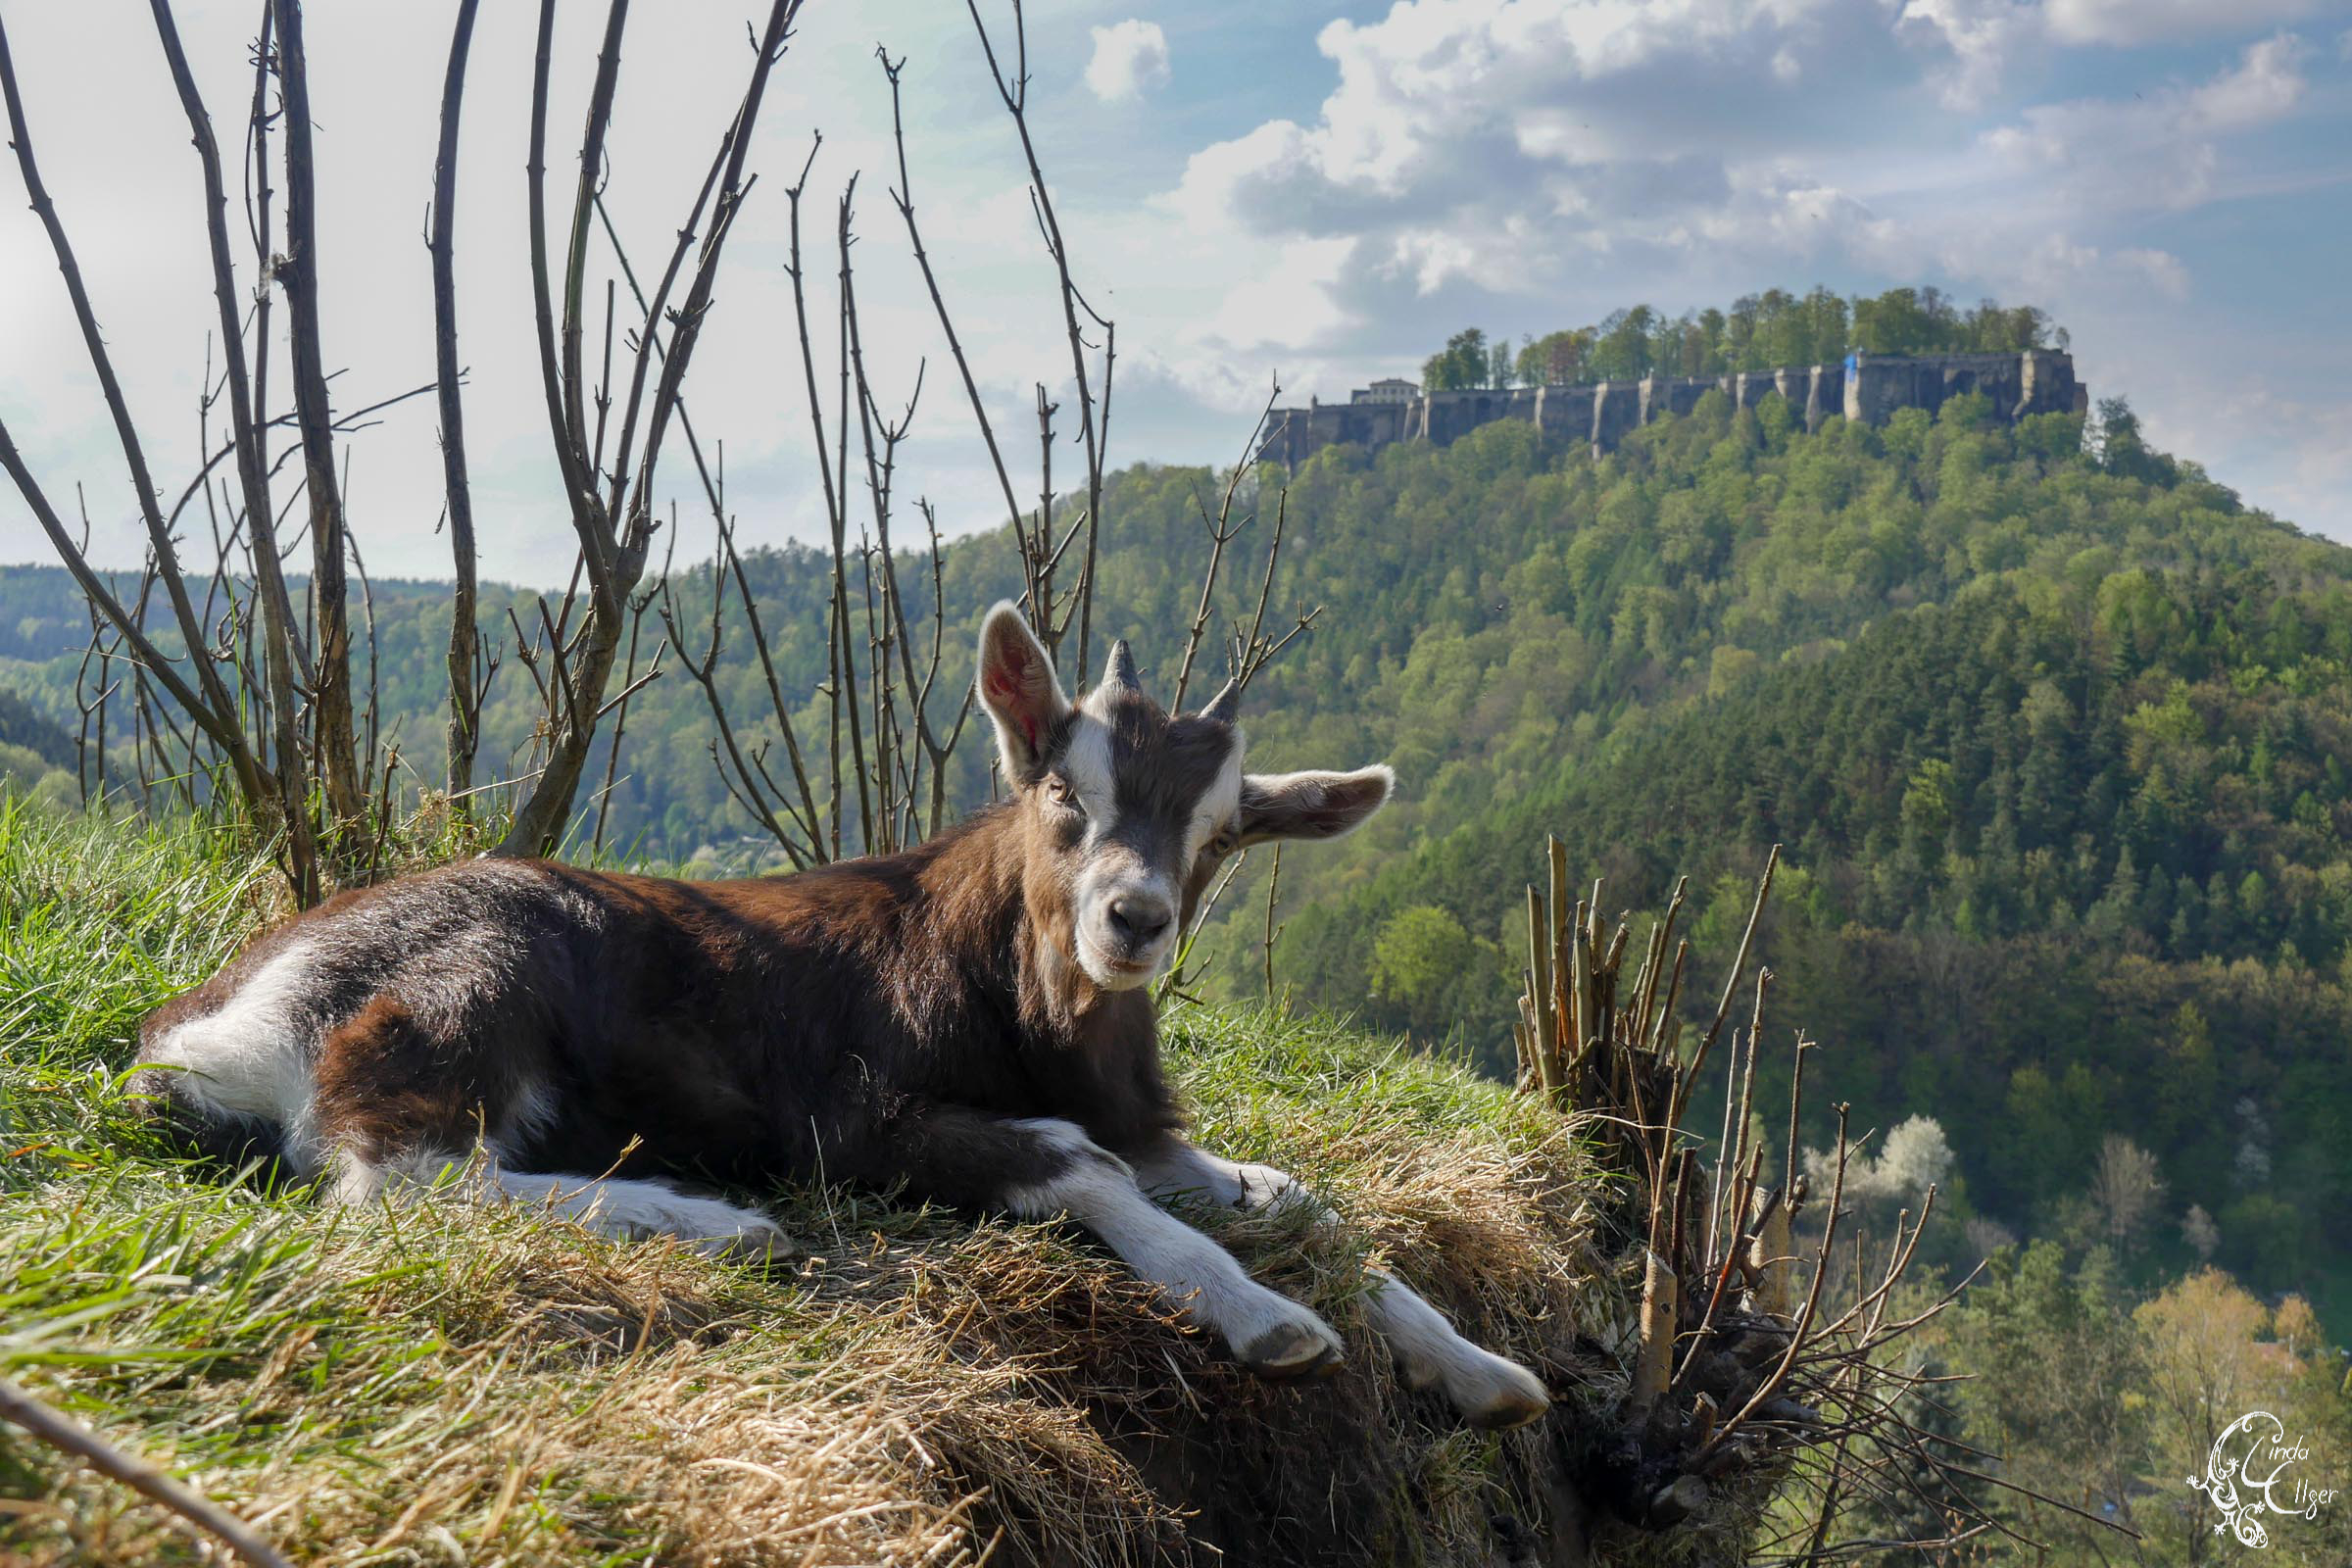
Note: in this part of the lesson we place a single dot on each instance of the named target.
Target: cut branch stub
(1732, 1368)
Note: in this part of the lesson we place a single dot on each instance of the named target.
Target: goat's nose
(1140, 918)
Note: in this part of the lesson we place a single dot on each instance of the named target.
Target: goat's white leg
(1488, 1390)
(1269, 1333)
(623, 1209)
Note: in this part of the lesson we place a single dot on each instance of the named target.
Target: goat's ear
(1311, 806)
(1020, 691)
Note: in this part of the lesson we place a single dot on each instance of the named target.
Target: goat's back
(581, 1020)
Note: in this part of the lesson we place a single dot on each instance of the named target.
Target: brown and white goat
(969, 1018)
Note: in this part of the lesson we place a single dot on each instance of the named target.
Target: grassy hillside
(436, 1383)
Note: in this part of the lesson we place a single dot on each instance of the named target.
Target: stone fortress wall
(1866, 387)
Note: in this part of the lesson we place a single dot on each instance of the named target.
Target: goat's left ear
(1018, 687)
(1311, 806)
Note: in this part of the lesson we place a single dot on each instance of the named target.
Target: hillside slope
(2042, 888)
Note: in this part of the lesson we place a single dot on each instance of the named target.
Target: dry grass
(438, 1383)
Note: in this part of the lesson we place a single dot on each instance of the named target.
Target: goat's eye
(1058, 791)
(1223, 841)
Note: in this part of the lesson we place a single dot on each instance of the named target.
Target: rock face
(1865, 387)
(2036, 381)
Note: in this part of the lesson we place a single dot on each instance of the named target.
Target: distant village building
(1866, 389)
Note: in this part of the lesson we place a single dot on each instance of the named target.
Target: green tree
(1622, 349)
(1555, 359)
(1423, 962)
(2122, 450)
(2050, 1356)
(1461, 365)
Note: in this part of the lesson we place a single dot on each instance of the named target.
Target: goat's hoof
(1291, 1350)
(1512, 1398)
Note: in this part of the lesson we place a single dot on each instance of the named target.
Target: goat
(969, 1018)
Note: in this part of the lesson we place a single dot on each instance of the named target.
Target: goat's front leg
(1043, 1168)
(1489, 1391)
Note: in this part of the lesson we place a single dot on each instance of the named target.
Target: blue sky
(1319, 192)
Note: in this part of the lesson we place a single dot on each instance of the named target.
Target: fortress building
(1866, 387)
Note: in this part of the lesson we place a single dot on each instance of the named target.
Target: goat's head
(1129, 810)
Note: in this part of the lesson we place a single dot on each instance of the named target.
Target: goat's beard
(1069, 956)
(1115, 974)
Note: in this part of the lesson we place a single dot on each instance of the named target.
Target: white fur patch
(1086, 761)
(1218, 810)
(634, 1210)
(251, 1056)
(1432, 1353)
(1098, 1191)
(1476, 1381)
(1097, 703)
(624, 1209)
(1179, 1169)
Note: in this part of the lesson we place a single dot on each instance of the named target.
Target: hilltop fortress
(1866, 387)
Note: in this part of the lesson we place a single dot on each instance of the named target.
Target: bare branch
(68, 1436)
(464, 637)
(1094, 419)
(902, 197)
(298, 273)
(214, 711)
(615, 529)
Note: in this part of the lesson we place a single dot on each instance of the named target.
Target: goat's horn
(1226, 706)
(1120, 669)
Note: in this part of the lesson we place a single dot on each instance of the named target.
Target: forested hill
(2054, 735)
(2057, 745)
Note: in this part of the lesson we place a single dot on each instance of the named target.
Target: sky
(1313, 194)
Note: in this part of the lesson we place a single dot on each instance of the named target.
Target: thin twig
(68, 1436)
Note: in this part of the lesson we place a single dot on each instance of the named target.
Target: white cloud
(1451, 123)
(1981, 38)
(2131, 23)
(1986, 39)
(2162, 149)
(1130, 60)
(2267, 83)
(1285, 306)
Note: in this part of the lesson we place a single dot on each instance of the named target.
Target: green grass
(435, 1383)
